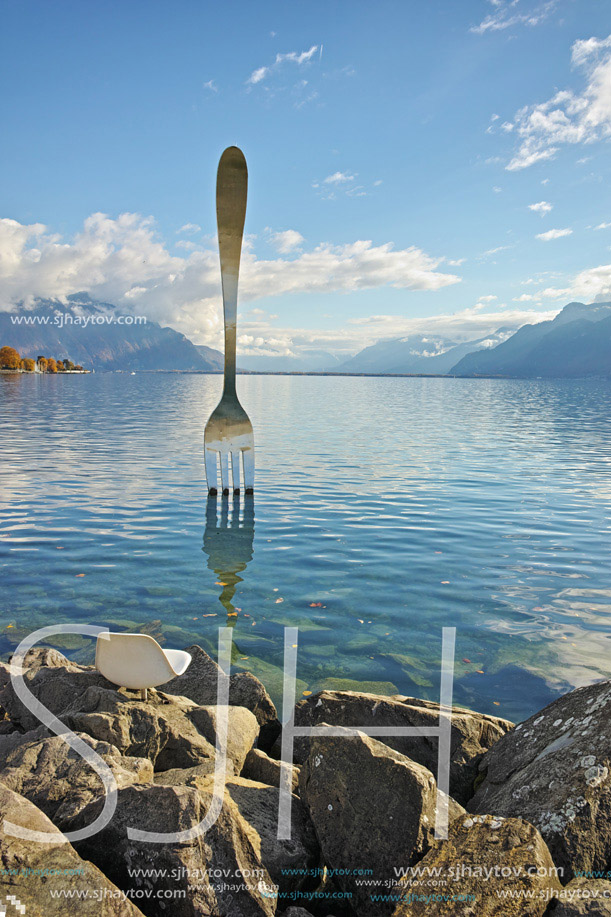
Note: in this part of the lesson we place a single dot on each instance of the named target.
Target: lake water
(384, 509)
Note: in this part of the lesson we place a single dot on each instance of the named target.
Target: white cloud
(590, 285)
(211, 85)
(489, 298)
(553, 234)
(263, 337)
(496, 189)
(257, 75)
(295, 57)
(302, 58)
(189, 229)
(122, 261)
(287, 241)
(526, 297)
(495, 251)
(603, 226)
(568, 118)
(507, 14)
(338, 178)
(541, 207)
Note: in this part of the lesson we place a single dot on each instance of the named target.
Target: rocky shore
(529, 807)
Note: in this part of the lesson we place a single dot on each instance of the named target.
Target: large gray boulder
(55, 778)
(56, 685)
(172, 731)
(242, 730)
(289, 862)
(472, 733)
(554, 770)
(159, 729)
(56, 871)
(372, 808)
(200, 681)
(584, 898)
(219, 873)
(488, 867)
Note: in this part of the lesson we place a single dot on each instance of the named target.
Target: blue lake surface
(384, 509)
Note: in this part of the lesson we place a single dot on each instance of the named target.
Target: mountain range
(417, 353)
(87, 332)
(577, 342)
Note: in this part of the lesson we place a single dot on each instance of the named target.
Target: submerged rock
(56, 870)
(472, 733)
(554, 770)
(373, 809)
(488, 867)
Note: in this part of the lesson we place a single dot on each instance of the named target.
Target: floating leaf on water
(466, 660)
(212, 614)
(496, 703)
(278, 601)
(79, 574)
(479, 671)
(306, 693)
(317, 605)
(220, 584)
(445, 582)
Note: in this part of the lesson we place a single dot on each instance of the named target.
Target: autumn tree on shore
(9, 358)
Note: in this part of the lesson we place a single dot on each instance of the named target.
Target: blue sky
(395, 152)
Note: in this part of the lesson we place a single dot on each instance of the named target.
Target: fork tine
(224, 456)
(249, 469)
(210, 458)
(235, 467)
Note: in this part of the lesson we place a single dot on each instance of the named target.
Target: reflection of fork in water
(228, 543)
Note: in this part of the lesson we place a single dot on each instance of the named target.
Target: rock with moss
(472, 733)
(373, 809)
(555, 770)
(488, 866)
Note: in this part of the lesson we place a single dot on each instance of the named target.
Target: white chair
(136, 661)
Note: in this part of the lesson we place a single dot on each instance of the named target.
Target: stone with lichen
(554, 770)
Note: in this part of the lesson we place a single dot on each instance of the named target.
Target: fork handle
(231, 190)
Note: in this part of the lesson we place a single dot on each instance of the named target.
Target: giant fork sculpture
(229, 430)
